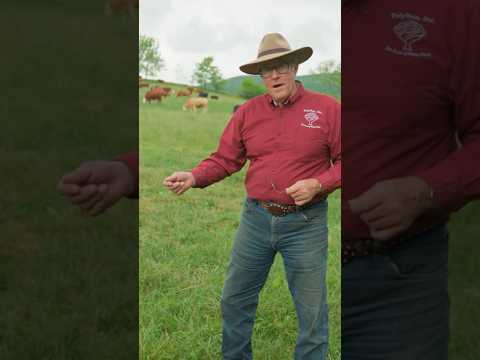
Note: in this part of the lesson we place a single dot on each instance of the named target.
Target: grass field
(464, 287)
(185, 244)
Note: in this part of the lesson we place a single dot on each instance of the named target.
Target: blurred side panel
(68, 282)
(410, 179)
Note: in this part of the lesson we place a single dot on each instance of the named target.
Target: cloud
(152, 13)
(322, 36)
(203, 37)
(190, 30)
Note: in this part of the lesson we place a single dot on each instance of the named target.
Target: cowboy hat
(275, 46)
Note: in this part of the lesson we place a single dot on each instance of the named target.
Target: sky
(189, 30)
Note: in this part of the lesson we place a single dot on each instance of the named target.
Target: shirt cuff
(446, 192)
(200, 180)
(131, 161)
(328, 184)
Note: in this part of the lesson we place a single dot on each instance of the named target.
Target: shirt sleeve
(229, 157)
(456, 180)
(331, 179)
(131, 160)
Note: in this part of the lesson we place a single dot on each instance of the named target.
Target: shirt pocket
(310, 143)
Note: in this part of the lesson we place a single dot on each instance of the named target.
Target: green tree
(150, 60)
(327, 67)
(328, 73)
(207, 75)
(250, 88)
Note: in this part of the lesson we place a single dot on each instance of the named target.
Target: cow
(184, 93)
(203, 94)
(143, 84)
(154, 94)
(160, 81)
(167, 90)
(215, 97)
(117, 7)
(195, 103)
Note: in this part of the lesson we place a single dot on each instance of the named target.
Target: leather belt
(280, 210)
(354, 247)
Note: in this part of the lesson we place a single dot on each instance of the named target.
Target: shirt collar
(292, 99)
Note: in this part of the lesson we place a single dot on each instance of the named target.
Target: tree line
(209, 77)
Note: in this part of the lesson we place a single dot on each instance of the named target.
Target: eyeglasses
(280, 69)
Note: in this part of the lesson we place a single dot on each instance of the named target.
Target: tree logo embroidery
(409, 30)
(311, 116)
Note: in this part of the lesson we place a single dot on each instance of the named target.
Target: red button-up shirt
(298, 141)
(410, 83)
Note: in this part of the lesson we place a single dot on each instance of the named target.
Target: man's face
(279, 78)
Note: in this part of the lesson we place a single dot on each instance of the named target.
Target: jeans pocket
(418, 262)
(395, 268)
(317, 212)
(424, 254)
(249, 205)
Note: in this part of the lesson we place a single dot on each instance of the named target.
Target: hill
(323, 83)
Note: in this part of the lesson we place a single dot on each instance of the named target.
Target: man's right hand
(179, 182)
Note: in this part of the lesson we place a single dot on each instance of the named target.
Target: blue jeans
(301, 238)
(395, 305)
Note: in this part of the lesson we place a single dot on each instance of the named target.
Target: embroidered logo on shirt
(311, 116)
(409, 30)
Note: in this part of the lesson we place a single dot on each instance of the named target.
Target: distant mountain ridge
(326, 83)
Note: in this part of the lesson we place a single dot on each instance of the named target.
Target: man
(95, 186)
(292, 138)
(411, 86)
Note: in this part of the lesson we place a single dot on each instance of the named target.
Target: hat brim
(301, 55)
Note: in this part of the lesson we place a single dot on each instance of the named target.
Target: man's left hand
(391, 206)
(304, 191)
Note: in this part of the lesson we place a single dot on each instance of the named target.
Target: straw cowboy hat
(274, 46)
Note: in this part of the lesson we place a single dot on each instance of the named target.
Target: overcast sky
(231, 31)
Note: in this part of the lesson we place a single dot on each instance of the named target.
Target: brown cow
(196, 103)
(166, 90)
(154, 94)
(143, 84)
(184, 93)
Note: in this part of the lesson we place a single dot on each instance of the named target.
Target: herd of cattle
(157, 93)
(199, 101)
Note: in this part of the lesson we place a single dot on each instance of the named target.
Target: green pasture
(185, 244)
(464, 285)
